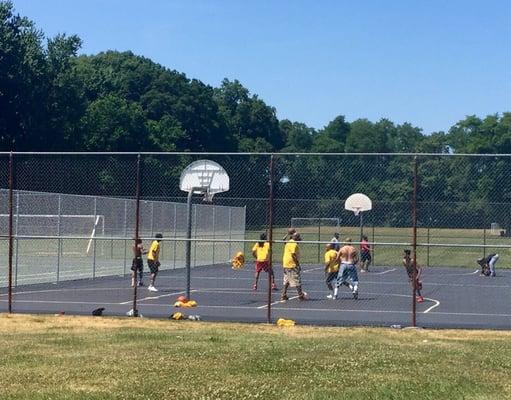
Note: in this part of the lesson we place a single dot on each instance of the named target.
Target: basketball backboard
(204, 177)
(358, 202)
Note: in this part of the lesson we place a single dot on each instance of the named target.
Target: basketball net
(356, 211)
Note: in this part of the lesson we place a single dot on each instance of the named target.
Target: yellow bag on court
(238, 261)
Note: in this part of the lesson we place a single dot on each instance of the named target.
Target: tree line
(53, 99)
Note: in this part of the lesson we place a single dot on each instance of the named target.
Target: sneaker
(331, 297)
(254, 287)
(419, 299)
(151, 288)
(284, 297)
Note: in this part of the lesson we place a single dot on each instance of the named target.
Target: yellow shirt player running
(153, 260)
(261, 252)
(291, 264)
(331, 267)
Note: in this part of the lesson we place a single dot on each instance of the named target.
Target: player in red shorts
(261, 252)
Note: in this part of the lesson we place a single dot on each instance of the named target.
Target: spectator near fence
(153, 260)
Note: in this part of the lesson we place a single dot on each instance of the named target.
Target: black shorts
(137, 264)
(153, 266)
(365, 256)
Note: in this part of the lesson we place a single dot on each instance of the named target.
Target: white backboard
(204, 176)
(358, 202)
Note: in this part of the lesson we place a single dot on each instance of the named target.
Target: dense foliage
(52, 99)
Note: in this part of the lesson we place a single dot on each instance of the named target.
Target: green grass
(102, 358)
(391, 254)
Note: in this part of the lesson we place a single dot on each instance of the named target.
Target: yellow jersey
(331, 262)
(261, 252)
(290, 248)
(154, 251)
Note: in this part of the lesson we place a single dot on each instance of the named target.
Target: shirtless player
(347, 275)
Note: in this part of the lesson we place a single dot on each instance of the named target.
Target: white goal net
(315, 222)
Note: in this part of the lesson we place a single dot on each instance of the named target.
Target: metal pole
(17, 240)
(414, 243)
(214, 233)
(137, 221)
(230, 229)
(59, 232)
(427, 259)
(175, 234)
(361, 225)
(11, 189)
(374, 252)
(484, 242)
(319, 231)
(94, 240)
(188, 243)
(270, 234)
(125, 233)
(195, 236)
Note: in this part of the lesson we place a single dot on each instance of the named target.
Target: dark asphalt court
(454, 298)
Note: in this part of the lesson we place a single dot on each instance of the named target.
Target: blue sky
(430, 63)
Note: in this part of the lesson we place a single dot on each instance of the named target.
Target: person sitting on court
(331, 268)
(261, 252)
(411, 271)
(488, 264)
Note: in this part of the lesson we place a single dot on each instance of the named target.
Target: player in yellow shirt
(153, 260)
(331, 267)
(292, 269)
(261, 252)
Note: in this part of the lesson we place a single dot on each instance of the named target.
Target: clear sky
(428, 62)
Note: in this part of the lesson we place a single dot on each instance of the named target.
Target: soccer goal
(315, 223)
(52, 225)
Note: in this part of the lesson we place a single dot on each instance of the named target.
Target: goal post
(315, 222)
(87, 226)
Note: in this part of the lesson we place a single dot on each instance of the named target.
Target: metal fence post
(94, 241)
(195, 236)
(17, 240)
(137, 221)
(230, 230)
(175, 235)
(214, 232)
(125, 233)
(59, 232)
(414, 243)
(11, 206)
(270, 233)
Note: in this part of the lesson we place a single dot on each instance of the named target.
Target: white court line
(464, 274)
(157, 297)
(312, 269)
(433, 306)
(67, 290)
(382, 273)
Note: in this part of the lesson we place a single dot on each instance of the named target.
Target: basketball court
(454, 297)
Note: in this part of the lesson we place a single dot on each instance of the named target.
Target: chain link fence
(75, 216)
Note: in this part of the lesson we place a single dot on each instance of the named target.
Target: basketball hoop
(204, 177)
(357, 203)
(356, 211)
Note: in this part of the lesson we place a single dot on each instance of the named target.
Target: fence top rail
(191, 153)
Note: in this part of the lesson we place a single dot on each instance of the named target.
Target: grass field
(46, 357)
